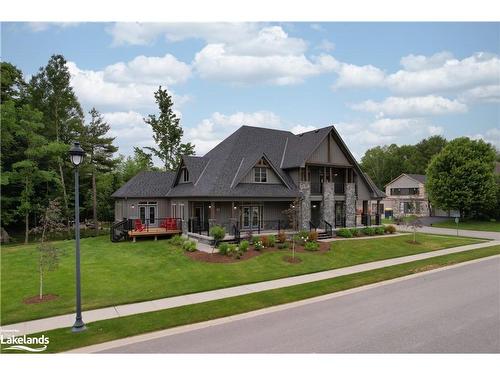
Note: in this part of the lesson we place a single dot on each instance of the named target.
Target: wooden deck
(153, 232)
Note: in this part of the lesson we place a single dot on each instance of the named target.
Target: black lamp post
(76, 154)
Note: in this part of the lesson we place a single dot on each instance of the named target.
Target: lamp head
(76, 154)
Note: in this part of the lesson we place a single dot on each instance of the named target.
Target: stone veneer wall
(350, 205)
(328, 206)
(305, 205)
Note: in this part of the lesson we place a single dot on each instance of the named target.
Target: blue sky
(379, 83)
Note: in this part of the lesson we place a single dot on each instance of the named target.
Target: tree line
(40, 120)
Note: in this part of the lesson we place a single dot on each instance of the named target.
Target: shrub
(243, 246)
(272, 240)
(177, 240)
(283, 245)
(312, 236)
(355, 232)
(255, 239)
(301, 237)
(264, 240)
(218, 233)
(311, 246)
(258, 245)
(223, 248)
(189, 245)
(281, 237)
(379, 230)
(369, 231)
(239, 254)
(231, 249)
(344, 232)
(390, 229)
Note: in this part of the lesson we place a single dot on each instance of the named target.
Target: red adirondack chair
(139, 227)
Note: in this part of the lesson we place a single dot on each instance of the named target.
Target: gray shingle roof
(419, 177)
(146, 184)
(219, 173)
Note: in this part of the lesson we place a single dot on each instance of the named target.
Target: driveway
(454, 310)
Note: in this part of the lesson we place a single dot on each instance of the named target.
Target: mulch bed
(36, 299)
(251, 253)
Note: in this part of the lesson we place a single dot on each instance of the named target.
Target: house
(406, 195)
(257, 179)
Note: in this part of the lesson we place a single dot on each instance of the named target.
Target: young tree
(167, 132)
(293, 219)
(461, 177)
(99, 150)
(52, 94)
(48, 259)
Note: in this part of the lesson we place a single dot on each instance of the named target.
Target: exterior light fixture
(77, 154)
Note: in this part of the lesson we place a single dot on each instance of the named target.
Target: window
(260, 174)
(404, 191)
(174, 210)
(185, 175)
(181, 211)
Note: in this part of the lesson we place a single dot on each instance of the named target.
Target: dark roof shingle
(146, 184)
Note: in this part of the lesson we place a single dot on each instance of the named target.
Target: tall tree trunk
(94, 202)
(26, 227)
(41, 283)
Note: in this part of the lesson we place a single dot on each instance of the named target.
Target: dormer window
(185, 175)
(260, 174)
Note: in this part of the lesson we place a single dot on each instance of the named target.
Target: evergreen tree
(99, 150)
(167, 132)
(52, 94)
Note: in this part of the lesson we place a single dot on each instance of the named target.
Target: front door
(251, 217)
(148, 213)
(339, 214)
(315, 213)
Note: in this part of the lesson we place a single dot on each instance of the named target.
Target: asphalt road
(455, 310)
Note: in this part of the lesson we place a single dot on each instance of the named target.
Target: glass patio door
(251, 217)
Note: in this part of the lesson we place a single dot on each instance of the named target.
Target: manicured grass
(388, 221)
(125, 272)
(112, 329)
(489, 226)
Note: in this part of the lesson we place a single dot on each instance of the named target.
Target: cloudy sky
(379, 83)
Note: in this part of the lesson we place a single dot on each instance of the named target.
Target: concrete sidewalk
(67, 320)
(453, 232)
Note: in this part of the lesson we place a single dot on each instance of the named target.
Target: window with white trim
(260, 174)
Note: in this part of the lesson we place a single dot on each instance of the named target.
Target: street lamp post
(76, 154)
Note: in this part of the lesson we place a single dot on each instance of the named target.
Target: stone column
(350, 205)
(305, 205)
(328, 207)
(184, 227)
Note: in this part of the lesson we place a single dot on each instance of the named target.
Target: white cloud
(94, 88)
(214, 62)
(410, 107)
(415, 63)
(326, 46)
(150, 70)
(354, 76)
(453, 75)
(489, 94)
(214, 32)
(491, 136)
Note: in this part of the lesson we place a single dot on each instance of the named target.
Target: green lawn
(112, 329)
(489, 226)
(118, 273)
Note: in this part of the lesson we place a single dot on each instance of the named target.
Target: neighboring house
(251, 178)
(406, 195)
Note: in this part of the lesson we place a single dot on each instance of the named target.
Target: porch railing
(328, 228)
(339, 188)
(316, 188)
(158, 223)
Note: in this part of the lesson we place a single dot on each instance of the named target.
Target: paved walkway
(170, 302)
(453, 232)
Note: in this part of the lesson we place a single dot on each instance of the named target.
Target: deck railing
(146, 225)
